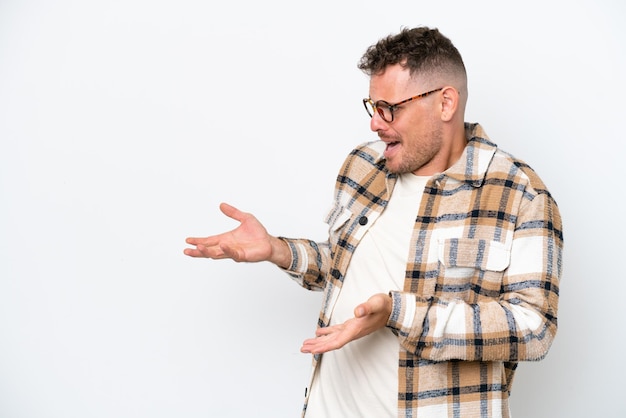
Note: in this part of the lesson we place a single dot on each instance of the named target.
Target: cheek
(423, 142)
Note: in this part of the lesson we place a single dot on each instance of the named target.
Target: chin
(396, 170)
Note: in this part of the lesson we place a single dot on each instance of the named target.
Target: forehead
(393, 84)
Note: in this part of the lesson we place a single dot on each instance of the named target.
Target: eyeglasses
(385, 109)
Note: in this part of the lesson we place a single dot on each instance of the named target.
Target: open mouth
(391, 147)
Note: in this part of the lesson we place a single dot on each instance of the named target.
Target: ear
(449, 103)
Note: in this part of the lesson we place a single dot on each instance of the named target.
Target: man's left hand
(368, 317)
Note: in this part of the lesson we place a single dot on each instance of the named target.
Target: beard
(414, 153)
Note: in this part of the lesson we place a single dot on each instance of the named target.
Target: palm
(369, 317)
(248, 242)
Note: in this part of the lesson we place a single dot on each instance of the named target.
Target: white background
(123, 124)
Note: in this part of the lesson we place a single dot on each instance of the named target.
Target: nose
(377, 123)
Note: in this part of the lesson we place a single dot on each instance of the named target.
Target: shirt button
(363, 220)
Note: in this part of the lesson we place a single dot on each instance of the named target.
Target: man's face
(414, 139)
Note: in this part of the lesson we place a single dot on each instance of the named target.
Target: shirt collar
(473, 164)
(474, 161)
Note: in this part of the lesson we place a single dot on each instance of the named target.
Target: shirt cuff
(408, 312)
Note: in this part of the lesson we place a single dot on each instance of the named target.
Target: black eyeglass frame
(377, 106)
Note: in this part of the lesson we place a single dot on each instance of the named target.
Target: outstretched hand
(249, 242)
(368, 317)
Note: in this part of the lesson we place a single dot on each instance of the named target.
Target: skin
(249, 242)
(426, 137)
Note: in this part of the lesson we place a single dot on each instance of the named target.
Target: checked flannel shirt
(482, 276)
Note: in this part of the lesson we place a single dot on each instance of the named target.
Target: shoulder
(363, 172)
(365, 156)
(370, 152)
(519, 171)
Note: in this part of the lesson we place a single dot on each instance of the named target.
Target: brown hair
(422, 50)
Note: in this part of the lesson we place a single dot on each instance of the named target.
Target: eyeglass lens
(383, 111)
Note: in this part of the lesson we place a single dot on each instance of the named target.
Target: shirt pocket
(471, 268)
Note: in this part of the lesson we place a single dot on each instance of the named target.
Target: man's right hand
(249, 242)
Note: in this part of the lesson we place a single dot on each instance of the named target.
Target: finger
(313, 346)
(322, 344)
(205, 241)
(232, 212)
(305, 349)
(309, 342)
(329, 330)
(194, 252)
(236, 253)
(321, 331)
(214, 252)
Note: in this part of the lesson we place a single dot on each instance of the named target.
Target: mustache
(388, 138)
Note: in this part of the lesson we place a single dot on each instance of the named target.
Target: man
(441, 270)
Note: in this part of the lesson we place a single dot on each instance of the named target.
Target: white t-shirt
(361, 379)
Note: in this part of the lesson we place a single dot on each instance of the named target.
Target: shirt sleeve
(309, 262)
(517, 323)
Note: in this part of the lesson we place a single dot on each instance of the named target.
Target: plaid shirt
(482, 278)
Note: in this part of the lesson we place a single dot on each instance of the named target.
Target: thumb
(231, 211)
(361, 310)
(374, 305)
(231, 252)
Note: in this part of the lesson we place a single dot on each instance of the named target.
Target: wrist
(281, 253)
(388, 306)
